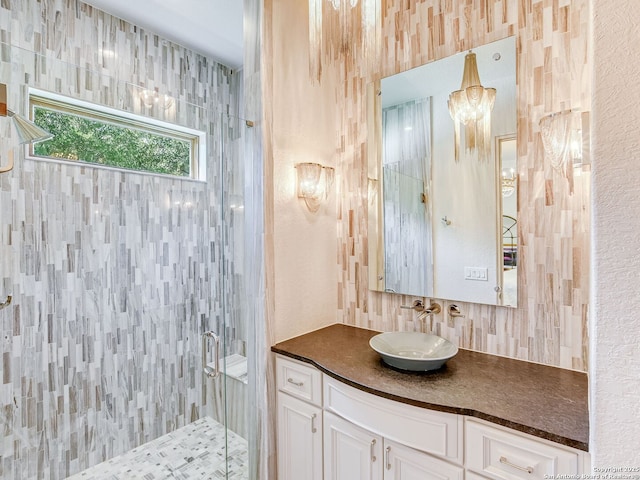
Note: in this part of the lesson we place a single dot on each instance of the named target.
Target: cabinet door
(299, 439)
(404, 463)
(350, 452)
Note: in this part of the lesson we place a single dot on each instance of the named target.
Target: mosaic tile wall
(114, 275)
(550, 323)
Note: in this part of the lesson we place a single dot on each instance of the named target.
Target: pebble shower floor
(195, 451)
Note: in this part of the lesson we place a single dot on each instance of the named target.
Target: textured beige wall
(303, 130)
(615, 409)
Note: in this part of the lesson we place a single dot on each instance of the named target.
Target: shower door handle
(209, 371)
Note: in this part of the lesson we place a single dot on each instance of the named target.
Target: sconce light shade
(471, 107)
(561, 135)
(313, 183)
(28, 132)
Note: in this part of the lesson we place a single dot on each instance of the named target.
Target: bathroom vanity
(344, 415)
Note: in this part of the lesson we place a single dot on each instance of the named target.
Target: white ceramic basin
(413, 350)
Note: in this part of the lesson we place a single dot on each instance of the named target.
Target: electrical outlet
(476, 273)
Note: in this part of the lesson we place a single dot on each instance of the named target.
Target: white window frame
(64, 104)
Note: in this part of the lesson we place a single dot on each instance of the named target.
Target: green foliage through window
(120, 145)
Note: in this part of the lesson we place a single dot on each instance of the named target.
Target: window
(99, 135)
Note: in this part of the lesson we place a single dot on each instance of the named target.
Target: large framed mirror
(443, 221)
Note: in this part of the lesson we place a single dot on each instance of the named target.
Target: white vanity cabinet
(350, 452)
(367, 437)
(404, 463)
(299, 405)
(500, 453)
(330, 430)
(354, 453)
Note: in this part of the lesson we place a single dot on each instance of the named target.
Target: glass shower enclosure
(117, 278)
(227, 381)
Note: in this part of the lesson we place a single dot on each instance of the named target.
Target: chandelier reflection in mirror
(314, 181)
(470, 107)
(508, 178)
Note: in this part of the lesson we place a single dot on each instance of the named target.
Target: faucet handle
(417, 305)
(454, 311)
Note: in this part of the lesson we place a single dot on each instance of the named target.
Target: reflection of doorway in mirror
(506, 156)
(406, 132)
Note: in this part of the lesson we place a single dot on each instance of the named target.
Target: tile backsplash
(550, 324)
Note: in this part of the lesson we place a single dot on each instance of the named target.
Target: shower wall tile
(114, 275)
(550, 324)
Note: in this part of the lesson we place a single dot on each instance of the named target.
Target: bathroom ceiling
(210, 27)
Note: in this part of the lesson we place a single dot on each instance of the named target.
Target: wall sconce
(152, 98)
(313, 183)
(471, 106)
(561, 134)
(28, 132)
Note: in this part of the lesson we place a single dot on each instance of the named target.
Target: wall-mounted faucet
(454, 311)
(433, 309)
(418, 305)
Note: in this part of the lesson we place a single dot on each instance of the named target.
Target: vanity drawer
(437, 433)
(299, 380)
(500, 454)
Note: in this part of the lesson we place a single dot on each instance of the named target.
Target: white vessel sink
(413, 351)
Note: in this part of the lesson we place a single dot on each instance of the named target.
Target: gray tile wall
(114, 275)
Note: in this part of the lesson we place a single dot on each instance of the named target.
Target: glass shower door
(230, 385)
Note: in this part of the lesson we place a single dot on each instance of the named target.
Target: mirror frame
(499, 141)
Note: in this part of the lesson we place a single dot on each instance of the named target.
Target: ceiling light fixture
(508, 178)
(152, 98)
(340, 28)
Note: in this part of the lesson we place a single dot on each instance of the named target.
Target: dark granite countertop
(544, 401)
